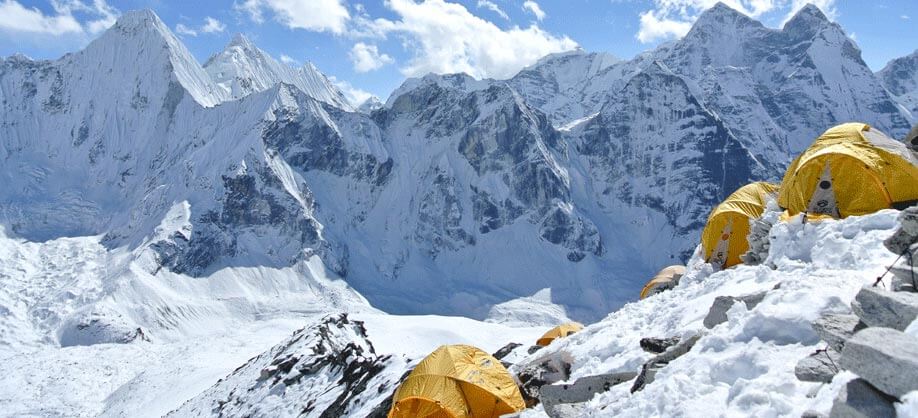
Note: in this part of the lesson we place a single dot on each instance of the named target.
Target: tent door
(719, 255)
(823, 202)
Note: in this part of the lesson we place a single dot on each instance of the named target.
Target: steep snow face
(900, 77)
(660, 162)
(242, 69)
(744, 366)
(806, 77)
(776, 90)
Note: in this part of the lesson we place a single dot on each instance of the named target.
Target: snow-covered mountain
(776, 89)
(439, 188)
(160, 213)
(242, 69)
(900, 77)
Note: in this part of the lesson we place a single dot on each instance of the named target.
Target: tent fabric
(559, 331)
(457, 381)
(728, 224)
(665, 279)
(868, 171)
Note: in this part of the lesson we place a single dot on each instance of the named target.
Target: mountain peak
(719, 14)
(240, 40)
(806, 22)
(139, 19)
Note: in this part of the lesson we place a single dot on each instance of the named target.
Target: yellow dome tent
(559, 331)
(724, 237)
(457, 381)
(851, 169)
(665, 279)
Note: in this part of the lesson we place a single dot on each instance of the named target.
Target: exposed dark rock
(503, 351)
(533, 377)
(650, 368)
(859, 399)
(658, 345)
(580, 391)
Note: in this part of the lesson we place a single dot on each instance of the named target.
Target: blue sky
(372, 45)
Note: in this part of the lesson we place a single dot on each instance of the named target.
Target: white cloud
(534, 8)
(212, 25)
(853, 36)
(185, 30)
(314, 15)
(904, 17)
(490, 5)
(446, 38)
(654, 28)
(673, 18)
(367, 57)
(286, 59)
(16, 18)
(353, 94)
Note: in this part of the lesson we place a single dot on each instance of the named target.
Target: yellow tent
(559, 331)
(724, 237)
(850, 169)
(457, 381)
(665, 279)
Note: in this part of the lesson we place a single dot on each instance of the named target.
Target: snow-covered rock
(744, 366)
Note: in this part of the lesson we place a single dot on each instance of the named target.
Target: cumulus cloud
(673, 18)
(286, 59)
(97, 16)
(490, 5)
(534, 8)
(353, 94)
(367, 57)
(314, 15)
(210, 25)
(445, 37)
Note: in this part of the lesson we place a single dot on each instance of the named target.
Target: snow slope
(745, 366)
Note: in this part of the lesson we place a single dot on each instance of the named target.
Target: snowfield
(745, 366)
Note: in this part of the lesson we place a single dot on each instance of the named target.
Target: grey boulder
(820, 366)
(718, 312)
(835, 329)
(882, 308)
(886, 358)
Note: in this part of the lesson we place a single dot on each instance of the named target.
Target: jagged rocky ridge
(328, 369)
(573, 169)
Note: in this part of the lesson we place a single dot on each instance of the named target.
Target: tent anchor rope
(880, 277)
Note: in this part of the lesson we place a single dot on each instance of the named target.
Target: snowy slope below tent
(744, 366)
